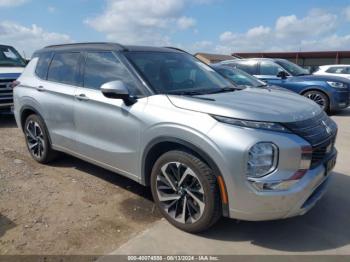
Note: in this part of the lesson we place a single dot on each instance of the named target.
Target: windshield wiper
(187, 93)
(224, 90)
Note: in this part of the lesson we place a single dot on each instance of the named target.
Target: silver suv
(166, 120)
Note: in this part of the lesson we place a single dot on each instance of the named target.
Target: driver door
(108, 131)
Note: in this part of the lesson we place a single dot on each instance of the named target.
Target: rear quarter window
(42, 66)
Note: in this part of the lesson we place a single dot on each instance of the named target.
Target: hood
(11, 72)
(252, 104)
(321, 78)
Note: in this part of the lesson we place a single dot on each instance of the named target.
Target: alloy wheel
(180, 193)
(35, 139)
(318, 99)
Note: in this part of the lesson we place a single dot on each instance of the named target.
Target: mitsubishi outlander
(161, 117)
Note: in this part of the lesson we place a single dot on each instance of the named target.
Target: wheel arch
(27, 111)
(321, 90)
(315, 88)
(161, 145)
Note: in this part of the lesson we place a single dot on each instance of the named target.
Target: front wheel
(185, 190)
(319, 98)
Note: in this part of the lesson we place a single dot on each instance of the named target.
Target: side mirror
(117, 90)
(282, 74)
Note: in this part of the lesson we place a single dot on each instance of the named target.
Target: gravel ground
(68, 207)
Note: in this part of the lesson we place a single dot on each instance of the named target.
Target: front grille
(321, 151)
(320, 132)
(6, 93)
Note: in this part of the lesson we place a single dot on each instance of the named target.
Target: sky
(216, 26)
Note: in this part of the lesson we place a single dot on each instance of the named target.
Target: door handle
(40, 88)
(81, 97)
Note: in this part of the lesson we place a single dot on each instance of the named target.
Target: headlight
(262, 159)
(252, 124)
(336, 84)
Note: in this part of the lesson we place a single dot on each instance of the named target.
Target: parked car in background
(335, 70)
(238, 76)
(11, 66)
(166, 120)
(242, 79)
(331, 93)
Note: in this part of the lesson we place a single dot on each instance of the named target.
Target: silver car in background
(161, 117)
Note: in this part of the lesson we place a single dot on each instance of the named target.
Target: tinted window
(10, 57)
(103, 67)
(175, 72)
(248, 66)
(337, 70)
(43, 65)
(64, 68)
(292, 68)
(269, 68)
(240, 77)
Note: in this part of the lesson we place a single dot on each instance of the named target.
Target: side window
(64, 68)
(336, 70)
(103, 67)
(270, 68)
(43, 65)
(347, 70)
(248, 66)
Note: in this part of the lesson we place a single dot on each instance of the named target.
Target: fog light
(262, 159)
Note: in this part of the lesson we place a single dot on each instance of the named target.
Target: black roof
(105, 46)
(5, 46)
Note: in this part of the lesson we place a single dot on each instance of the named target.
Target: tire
(198, 189)
(319, 98)
(36, 133)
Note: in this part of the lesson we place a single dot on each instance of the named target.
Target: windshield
(10, 57)
(239, 77)
(292, 68)
(177, 73)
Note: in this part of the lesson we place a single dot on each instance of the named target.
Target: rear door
(108, 130)
(55, 93)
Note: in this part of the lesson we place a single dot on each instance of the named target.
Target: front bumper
(248, 203)
(340, 100)
(284, 204)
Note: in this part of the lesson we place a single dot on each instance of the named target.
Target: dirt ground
(68, 207)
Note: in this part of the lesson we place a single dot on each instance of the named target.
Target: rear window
(43, 65)
(64, 68)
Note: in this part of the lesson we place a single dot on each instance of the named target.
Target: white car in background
(336, 70)
(11, 67)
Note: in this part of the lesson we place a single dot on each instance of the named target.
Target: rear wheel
(319, 98)
(37, 139)
(185, 190)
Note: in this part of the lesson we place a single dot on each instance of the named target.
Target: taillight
(14, 84)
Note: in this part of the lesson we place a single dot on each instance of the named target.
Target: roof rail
(88, 43)
(176, 48)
